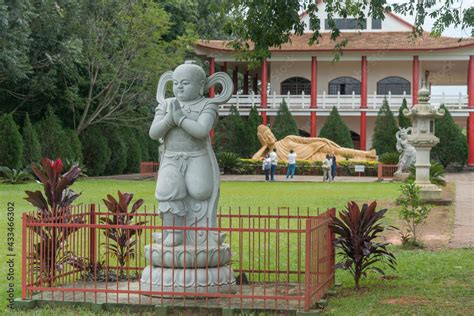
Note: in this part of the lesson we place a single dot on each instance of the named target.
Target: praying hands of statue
(177, 113)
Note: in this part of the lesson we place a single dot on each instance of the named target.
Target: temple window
(376, 24)
(394, 85)
(347, 24)
(296, 85)
(344, 85)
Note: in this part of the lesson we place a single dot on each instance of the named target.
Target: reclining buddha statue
(307, 148)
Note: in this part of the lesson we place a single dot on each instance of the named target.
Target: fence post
(307, 267)
(379, 171)
(23, 257)
(332, 214)
(92, 235)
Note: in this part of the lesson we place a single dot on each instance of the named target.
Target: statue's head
(265, 135)
(188, 81)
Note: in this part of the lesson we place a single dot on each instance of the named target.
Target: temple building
(381, 60)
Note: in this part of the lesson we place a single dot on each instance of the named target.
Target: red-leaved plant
(356, 233)
(123, 247)
(53, 207)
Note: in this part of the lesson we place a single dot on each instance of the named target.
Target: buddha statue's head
(188, 81)
(265, 135)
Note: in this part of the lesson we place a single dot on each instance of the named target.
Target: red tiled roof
(360, 41)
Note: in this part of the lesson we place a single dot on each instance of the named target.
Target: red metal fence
(149, 169)
(386, 171)
(282, 259)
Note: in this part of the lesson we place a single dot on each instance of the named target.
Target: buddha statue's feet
(173, 239)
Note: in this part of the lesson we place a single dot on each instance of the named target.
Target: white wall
(327, 71)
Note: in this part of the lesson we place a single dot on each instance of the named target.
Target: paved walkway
(463, 235)
(253, 178)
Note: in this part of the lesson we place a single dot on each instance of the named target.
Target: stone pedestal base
(402, 176)
(199, 280)
(429, 192)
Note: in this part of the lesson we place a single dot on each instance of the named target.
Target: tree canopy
(284, 124)
(383, 139)
(269, 24)
(336, 130)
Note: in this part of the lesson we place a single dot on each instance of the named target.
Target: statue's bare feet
(173, 239)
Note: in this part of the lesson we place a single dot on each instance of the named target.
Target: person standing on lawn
(274, 158)
(327, 169)
(291, 164)
(266, 166)
(333, 167)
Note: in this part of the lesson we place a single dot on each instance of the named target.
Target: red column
(314, 95)
(235, 78)
(263, 92)
(255, 84)
(363, 103)
(246, 82)
(470, 105)
(212, 70)
(415, 80)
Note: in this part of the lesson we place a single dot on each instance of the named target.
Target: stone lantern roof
(423, 108)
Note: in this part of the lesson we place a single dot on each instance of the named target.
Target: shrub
(141, 138)
(452, 146)
(76, 147)
(336, 130)
(384, 140)
(284, 123)
(389, 158)
(228, 134)
(356, 233)
(32, 147)
(412, 211)
(53, 139)
(53, 207)
(11, 143)
(403, 121)
(95, 150)
(14, 176)
(436, 174)
(134, 153)
(118, 148)
(124, 240)
(229, 162)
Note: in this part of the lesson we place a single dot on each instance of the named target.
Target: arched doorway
(295, 85)
(344, 85)
(394, 85)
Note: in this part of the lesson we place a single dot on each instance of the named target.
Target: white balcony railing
(341, 102)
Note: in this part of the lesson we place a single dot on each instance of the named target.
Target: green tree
(118, 150)
(32, 147)
(383, 139)
(227, 136)
(134, 152)
(284, 124)
(269, 24)
(53, 139)
(336, 130)
(403, 121)
(96, 151)
(76, 146)
(253, 121)
(452, 146)
(11, 143)
(143, 142)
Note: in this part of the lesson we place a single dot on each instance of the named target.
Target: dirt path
(463, 235)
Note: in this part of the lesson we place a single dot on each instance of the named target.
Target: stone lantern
(423, 139)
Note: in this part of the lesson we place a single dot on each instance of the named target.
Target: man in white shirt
(274, 158)
(291, 164)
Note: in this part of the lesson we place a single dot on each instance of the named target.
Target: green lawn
(422, 274)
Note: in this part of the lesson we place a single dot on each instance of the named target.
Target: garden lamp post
(423, 139)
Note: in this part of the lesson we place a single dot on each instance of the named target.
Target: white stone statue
(187, 187)
(406, 150)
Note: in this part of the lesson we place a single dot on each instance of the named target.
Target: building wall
(327, 71)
